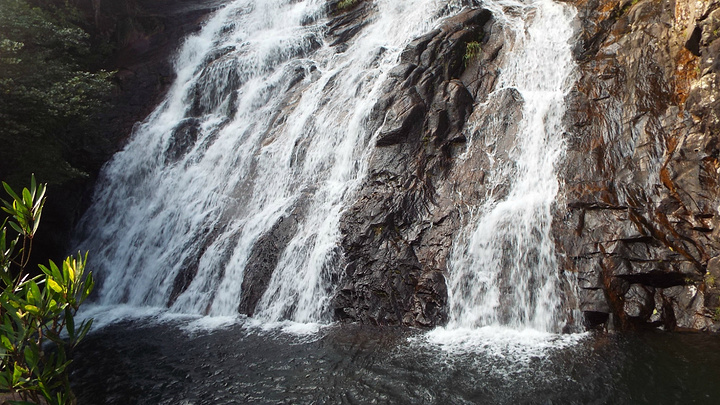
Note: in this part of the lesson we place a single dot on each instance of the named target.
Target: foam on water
(519, 345)
(106, 315)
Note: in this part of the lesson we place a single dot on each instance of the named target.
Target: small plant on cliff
(716, 315)
(36, 311)
(346, 4)
(628, 6)
(472, 49)
(710, 280)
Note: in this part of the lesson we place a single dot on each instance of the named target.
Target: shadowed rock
(263, 260)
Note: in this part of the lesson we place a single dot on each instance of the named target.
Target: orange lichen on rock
(686, 72)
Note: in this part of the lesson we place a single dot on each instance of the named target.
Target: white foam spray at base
(497, 341)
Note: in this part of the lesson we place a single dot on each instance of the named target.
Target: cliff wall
(639, 217)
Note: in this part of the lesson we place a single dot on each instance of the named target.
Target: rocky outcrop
(264, 258)
(398, 234)
(640, 227)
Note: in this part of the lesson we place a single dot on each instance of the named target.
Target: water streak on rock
(503, 269)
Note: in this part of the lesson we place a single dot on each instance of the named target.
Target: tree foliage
(47, 92)
(36, 311)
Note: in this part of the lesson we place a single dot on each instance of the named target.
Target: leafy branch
(35, 312)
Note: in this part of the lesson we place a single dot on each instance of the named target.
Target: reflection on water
(181, 362)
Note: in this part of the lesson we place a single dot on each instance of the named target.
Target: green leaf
(54, 337)
(16, 227)
(27, 199)
(54, 285)
(33, 294)
(10, 191)
(7, 330)
(84, 329)
(17, 373)
(6, 342)
(36, 223)
(39, 201)
(60, 368)
(33, 183)
(11, 311)
(68, 272)
(53, 306)
(89, 285)
(40, 198)
(32, 357)
(32, 309)
(56, 274)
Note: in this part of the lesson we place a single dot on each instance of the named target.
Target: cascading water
(264, 124)
(503, 268)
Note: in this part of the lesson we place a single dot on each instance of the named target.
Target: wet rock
(403, 114)
(182, 139)
(687, 303)
(639, 302)
(399, 232)
(593, 300)
(640, 173)
(263, 260)
(347, 21)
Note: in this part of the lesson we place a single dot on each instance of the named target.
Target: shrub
(346, 4)
(36, 312)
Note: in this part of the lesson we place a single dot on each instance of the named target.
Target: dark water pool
(144, 362)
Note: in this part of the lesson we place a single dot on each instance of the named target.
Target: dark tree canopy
(48, 95)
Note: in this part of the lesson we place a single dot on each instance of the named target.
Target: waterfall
(261, 139)
(503, 268)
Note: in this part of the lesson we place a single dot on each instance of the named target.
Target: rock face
(398, 234)
(640, 224)
(637, 219)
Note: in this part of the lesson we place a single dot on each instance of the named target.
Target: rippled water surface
(181, 362)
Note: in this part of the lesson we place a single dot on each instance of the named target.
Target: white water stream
(503, 269)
